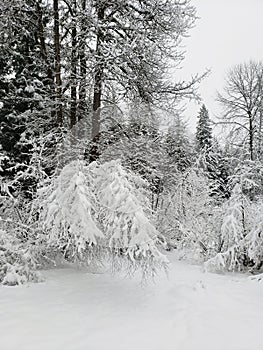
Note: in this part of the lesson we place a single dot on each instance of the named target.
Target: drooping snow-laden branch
(99, 206)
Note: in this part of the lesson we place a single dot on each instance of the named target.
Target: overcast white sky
(228, 32)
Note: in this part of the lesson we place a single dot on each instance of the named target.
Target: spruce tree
(203, 130)
(210, 157)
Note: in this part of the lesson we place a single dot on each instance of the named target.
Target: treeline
(88, 171)
(64, 61)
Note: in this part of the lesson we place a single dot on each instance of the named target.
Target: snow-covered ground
(76, 310)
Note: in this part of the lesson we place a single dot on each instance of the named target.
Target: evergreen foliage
(178, 145)
(203, 131)
(209, 156)
(98, 70)
(24, 88)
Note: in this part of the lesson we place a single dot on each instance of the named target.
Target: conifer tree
(178, 145)
(209, 155)
(24, 86)
(203, 130)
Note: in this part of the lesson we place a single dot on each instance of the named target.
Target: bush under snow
(89, 210)
(17, 265)
(123, 214)
(241, 235)
(68, 210)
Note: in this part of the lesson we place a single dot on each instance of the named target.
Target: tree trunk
(58, 80)
(83, 65)
(44, 56)
(96, 104)
(98, 78)
(260, 155)
(251, 136)
(73, 87)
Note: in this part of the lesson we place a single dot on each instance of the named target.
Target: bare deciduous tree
(242, 100)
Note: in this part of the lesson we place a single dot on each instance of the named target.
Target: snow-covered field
(76, 310)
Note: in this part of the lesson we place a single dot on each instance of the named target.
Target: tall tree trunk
(251, 136)
(83, 64)
(98, 77)
(45, 58)
(58, 80)
(97, 103)
(73, 87)
(260, 155)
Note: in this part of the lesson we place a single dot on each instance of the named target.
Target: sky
(228, 32)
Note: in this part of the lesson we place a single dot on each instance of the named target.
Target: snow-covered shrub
(235, 218)
(255, 245)
(254, 239)
(125, 216)
(187, 215)
(249, 175)
(241, 244)
(68, 210)
(89, 210)
(17, 265)
(18, 244)
(233, 230)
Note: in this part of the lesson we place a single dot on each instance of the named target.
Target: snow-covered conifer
(178, 146)
(203, 130)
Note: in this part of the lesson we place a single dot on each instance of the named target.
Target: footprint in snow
(199, 286)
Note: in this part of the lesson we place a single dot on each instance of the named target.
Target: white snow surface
(76, 309)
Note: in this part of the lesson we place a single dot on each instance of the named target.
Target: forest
(122, 227)
(98, 165)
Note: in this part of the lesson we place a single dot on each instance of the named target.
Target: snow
(76, 309)
(30, 89)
